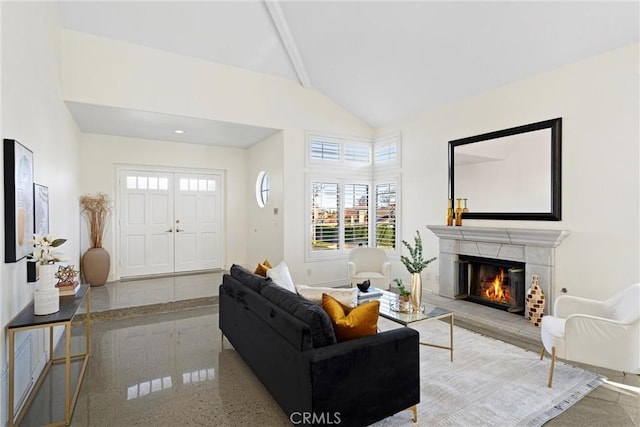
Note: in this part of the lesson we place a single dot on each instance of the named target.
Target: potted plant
(414, 264)
(404, 296)
(96, 262)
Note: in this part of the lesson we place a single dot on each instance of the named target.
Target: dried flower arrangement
(96, 209)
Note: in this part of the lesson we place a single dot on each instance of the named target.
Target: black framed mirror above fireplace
(492, 282)
(510, 174)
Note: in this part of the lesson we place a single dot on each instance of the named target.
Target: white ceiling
(382, 60)
(158, 126)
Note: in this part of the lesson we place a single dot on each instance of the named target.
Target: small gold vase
(416, 291)
(450, 213)
(459, 213)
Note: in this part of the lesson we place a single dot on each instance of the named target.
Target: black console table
(26, 320)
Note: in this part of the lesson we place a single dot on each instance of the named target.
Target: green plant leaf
(58, 242)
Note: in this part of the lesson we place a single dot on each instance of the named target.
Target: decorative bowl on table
(364, 286)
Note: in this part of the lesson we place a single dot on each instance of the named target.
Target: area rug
(489, 382)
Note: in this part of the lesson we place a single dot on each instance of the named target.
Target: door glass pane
(142, 182)
(211, 185)
(132, 182)
(153, 183)
(163, 184)
(202, 185)
(193, 184)
(184, 184)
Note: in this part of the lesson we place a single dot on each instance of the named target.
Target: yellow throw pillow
(262, 268)
(351, 322)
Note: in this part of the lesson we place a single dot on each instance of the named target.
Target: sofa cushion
(262, 267)
(248, 278)
(281, 276)
(347, 296)
(350, 323)
(313, 315)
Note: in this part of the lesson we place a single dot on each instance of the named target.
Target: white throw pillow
(347, 296)
(281, 276)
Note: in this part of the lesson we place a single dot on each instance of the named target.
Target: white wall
(266, 235)
(34, 114)
(100, 154)
(597, 99)
(107, 72)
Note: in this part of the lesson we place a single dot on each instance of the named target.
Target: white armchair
(369, 263)
(599, 333)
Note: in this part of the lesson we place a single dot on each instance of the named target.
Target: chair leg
(542, 353)
(414, 409)
(553, 361)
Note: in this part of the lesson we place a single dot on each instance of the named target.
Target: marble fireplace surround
(534, 247)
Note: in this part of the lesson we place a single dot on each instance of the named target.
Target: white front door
(146, 223)
(169, 222)
(197, 222)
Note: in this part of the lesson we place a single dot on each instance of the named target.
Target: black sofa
(285, 340)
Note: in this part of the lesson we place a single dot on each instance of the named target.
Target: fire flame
(495, 291)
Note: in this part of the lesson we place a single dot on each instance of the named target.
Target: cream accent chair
(599, 333)
(369, 263)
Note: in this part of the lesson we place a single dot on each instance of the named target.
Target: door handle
(169, 230)
(179, 230)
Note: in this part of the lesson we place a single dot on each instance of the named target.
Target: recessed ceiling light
(178, 131)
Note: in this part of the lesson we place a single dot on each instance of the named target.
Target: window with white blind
(359, 153)
(348, 205)
(338, 152)
(356, 215)
(339, 215)
(324, 150)
(325, 216)
(386, 196)
(386, 152)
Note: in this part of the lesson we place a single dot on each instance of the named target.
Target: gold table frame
(389, 300)
(27, 320)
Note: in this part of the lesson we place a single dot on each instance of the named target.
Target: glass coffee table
(389, 310)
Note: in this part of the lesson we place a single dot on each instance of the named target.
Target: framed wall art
(41, 209)
(18, 200)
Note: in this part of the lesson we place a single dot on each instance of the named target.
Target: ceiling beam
(287, 40)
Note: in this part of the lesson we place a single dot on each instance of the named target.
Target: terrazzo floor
(157, 360)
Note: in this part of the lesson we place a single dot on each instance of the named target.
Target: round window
(262, 189)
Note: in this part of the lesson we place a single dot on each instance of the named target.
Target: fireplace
(533, 248)
(492, 282)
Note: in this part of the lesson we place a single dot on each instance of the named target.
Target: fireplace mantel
(513, 236)
(534, 247)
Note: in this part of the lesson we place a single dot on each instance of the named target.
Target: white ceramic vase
(46, 298)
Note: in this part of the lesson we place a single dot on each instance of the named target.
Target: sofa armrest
(383, 369)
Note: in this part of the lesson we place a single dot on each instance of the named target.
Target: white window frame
(341, 162)
(393, 139)
(343, 172)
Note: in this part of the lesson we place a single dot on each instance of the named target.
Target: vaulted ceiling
(382, 60)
